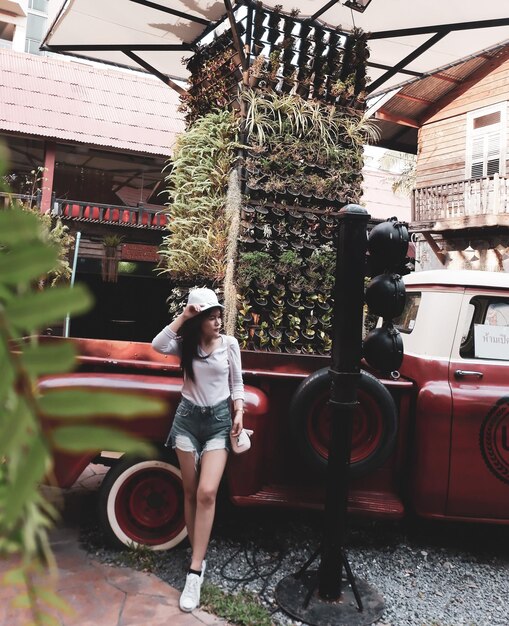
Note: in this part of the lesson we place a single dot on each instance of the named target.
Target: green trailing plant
(323, 262)
(294, 135)
(214, 79)
(36, 424)
(196, 244)
(112, 241)
(289, 264)
(255, 267)
(52, 230)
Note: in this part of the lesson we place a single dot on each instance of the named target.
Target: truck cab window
(497, 314)
(485, 312)
(406, 321)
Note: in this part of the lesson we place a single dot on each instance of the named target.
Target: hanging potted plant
(110, 258)
(255, 271)
(292, 335)
(290, 21)
(304, 82)
(275, 16)
(274, 63)
(288, 265)
(256, 71)
(262, 337)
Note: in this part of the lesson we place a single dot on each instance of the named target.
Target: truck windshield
(406, 321)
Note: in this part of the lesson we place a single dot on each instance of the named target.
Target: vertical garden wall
(292, 127)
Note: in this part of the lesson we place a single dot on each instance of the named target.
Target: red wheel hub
(150, 506)
(367, 427)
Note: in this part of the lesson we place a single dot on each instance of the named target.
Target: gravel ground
(428, 573)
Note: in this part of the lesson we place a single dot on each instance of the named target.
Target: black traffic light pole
(345, 374)
(360, 604)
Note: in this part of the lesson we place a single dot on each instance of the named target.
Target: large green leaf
(86, 403)
(5, 294)
(7, 372)
(29, 475)
(18, 227)
(14, 428)
(48, 358)
(26, 263)
(97, 438)
(35, 310)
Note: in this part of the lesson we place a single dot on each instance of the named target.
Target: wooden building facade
(460, 209)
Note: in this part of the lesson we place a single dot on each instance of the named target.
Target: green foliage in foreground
(242, 608)
(35, 425)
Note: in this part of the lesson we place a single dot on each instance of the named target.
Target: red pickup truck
(432, 438)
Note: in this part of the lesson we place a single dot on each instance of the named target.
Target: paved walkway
(103, 594)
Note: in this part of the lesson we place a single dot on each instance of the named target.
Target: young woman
(200, 433)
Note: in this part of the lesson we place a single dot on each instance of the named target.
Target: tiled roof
(75, 102)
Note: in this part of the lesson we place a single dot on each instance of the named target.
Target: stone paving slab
(103, 594)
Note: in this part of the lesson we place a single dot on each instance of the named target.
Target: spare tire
(374, 429)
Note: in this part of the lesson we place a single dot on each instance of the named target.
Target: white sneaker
(190, 597)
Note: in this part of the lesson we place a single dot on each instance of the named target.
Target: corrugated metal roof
(77, 102)
(413, 99)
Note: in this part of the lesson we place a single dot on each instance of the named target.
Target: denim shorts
(201, 428)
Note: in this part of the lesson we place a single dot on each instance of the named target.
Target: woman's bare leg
(213, 463)
(190, 483)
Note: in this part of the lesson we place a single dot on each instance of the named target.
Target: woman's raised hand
(191, 310)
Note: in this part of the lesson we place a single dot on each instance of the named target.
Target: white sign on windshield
(491, 342)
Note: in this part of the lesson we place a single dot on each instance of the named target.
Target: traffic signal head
(385, 294)
(388, 247)
(383, 348)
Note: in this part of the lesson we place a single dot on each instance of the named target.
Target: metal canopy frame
(438, 32)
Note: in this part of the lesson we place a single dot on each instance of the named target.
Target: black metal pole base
(293, 596)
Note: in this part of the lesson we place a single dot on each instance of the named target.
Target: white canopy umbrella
(408, 38)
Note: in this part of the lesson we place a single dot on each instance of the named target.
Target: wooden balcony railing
(137, 217)
(464, 198)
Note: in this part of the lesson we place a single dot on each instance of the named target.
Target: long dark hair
(190, 332)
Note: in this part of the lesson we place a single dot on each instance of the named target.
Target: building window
(486, 132)
(6, 34)
(37, 18)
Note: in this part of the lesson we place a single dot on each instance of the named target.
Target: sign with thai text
(139, 252)
(491, 342)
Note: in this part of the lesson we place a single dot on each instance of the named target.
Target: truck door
(479, 379)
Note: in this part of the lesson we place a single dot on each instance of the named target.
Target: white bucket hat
(204, 298)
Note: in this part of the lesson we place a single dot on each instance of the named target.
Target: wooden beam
(437, 251)
(48, 175)
(237, 42)
(448, 79)
(407, 96)
(397, 119)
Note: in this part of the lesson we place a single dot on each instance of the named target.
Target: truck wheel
(142, 503)
(374, 429)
